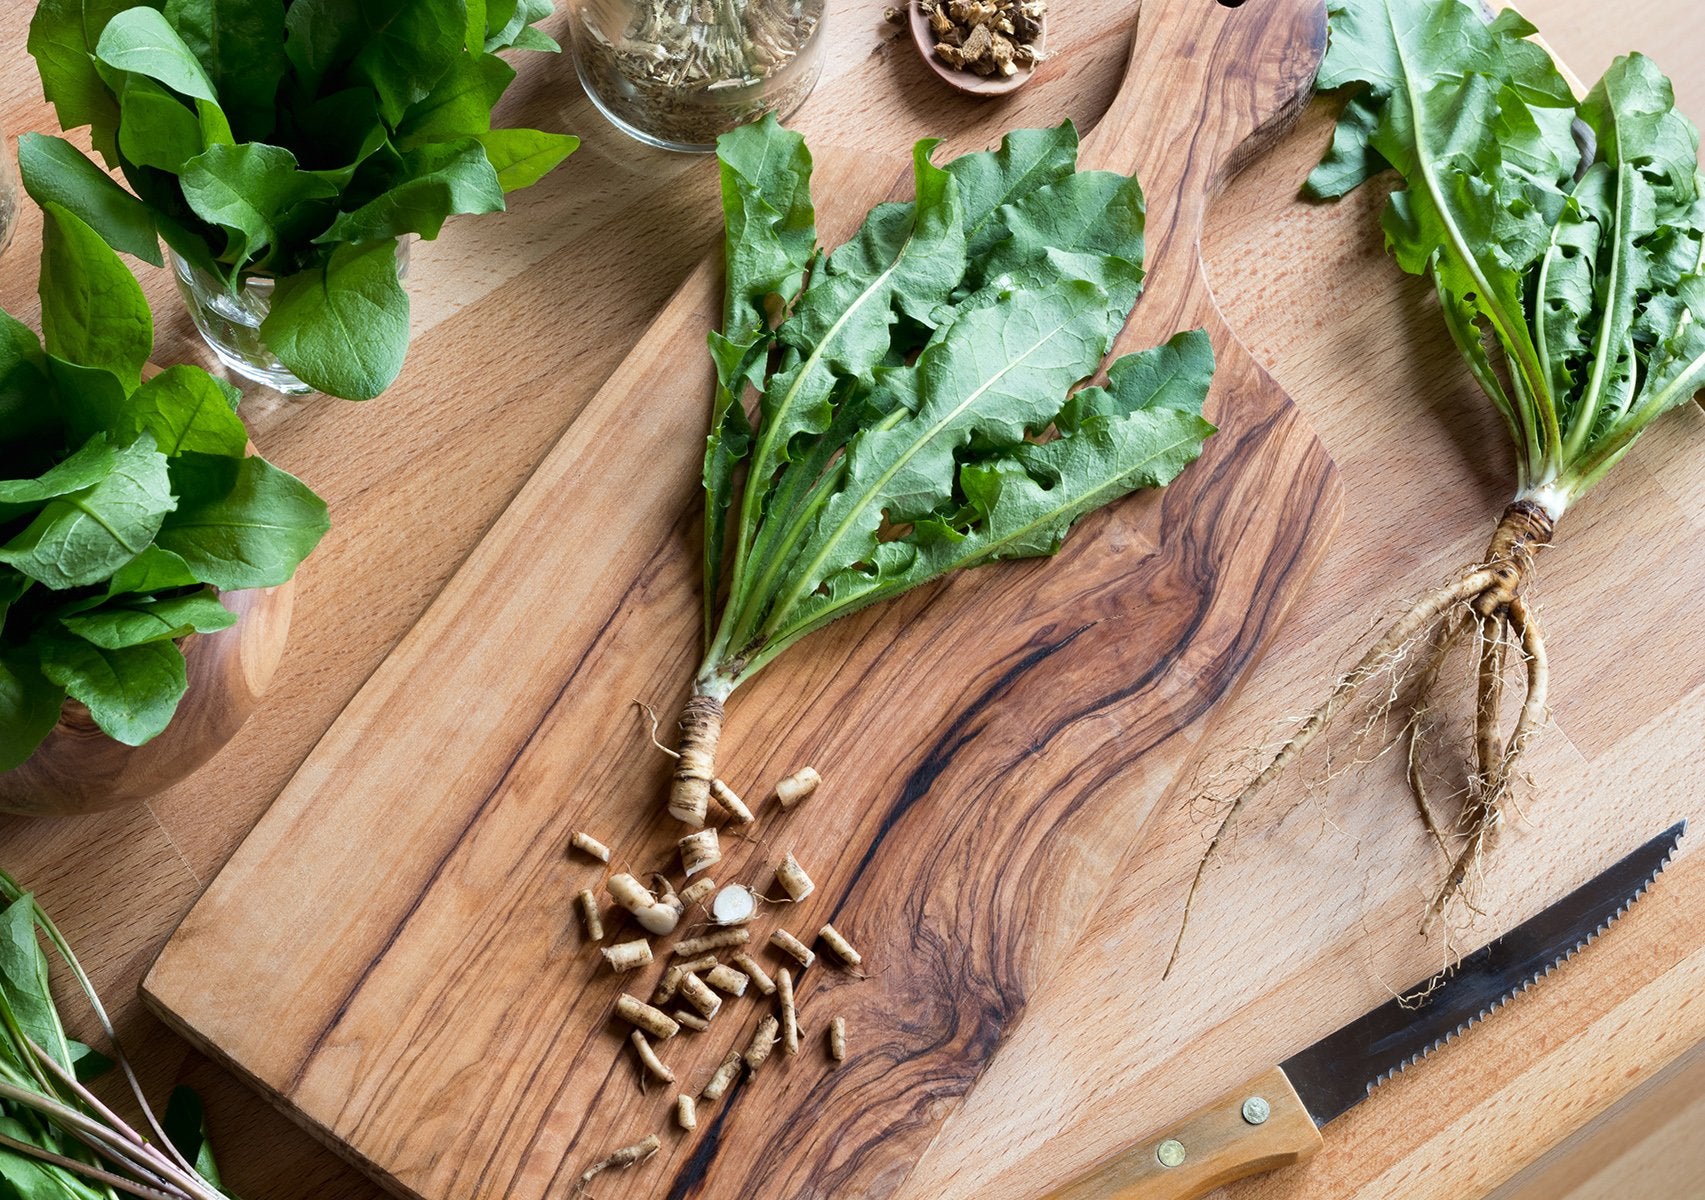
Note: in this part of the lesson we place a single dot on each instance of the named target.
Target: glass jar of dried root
(677, 73)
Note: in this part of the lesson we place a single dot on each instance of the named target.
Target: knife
(1274, 1120)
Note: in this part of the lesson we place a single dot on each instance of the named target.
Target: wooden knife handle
(1227, 1140)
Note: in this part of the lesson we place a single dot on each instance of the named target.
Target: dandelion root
(701, 729)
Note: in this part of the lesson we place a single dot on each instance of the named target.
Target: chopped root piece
(587, 844)
(714, 941)
(838, 1039)
(690, 1020)
(642, 1016)
(627, 1156)
(701, 729)
(589, 914)
(697, 890)
(724, 1076)
(653, 915)
(696, 992)
(727, 979)
(793, 879)
(759, 977)
(699, 851)
(734, 905)
(789, 1012)
(730, 802)
(671, 981)
(763, 1041)
(784, 941)
(666, 898)
(625, 956)
(686, 1112)
(648, 1058)
(797, 787)
(843, 949)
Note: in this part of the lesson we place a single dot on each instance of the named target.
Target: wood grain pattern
(1038, 714)
(1216, 1145)
(1317, 906)
(78, 769)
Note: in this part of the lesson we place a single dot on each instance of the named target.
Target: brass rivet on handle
(1256, 1110)
(1170, 1153)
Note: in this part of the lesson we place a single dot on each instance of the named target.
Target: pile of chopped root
(705, 932)
(987, 37)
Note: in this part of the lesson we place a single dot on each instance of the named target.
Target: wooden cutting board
(391, 954)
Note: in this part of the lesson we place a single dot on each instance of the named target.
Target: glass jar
(677, 73)
(230, 323)
(8, 194)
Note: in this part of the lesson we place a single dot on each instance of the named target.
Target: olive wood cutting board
(392, 956)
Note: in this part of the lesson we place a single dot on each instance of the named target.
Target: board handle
(1208, 86)
(1259, 1127)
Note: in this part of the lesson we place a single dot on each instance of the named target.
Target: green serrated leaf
(63, 37)
(157, 128)
(343, 327)
(140, 40)
(136, 622)
(81, 537)
(240, 45)
(154, 570)
(247, 190)
(187, 410)
(460, 105)
(185, 1123)
(240, 523)
(56, 172)
(93, 312)
(131, 693)
(437, 181)
(522, 157)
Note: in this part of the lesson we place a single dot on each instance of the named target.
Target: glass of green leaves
(285, 153)
(58, 1140)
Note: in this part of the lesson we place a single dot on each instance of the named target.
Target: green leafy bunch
(1566, 238)
(122, 503)
(294, 139)
(915, 409)
(57, 1141)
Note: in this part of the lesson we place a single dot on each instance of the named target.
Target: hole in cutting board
(1231, 3)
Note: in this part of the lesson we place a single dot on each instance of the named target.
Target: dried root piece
(699, 851)
(843, 949)
(648, 1058)
(690, 1020)
(701, 729)
(738, 936)
(725, 1075)
(730, 802)
(686, 1112)
(641, 1015)
(763, 1041)
(784, 941)
(625, 956)
(655, 917)
(627, 1156)
(797, 787)
(696, 992)
(838, 1039)
(734, 905)
(587, 844)
(590, 915)
(759, 977)
(727, 979)
(697, 890)
(671, 981)
(793, 879)
(789, 1012)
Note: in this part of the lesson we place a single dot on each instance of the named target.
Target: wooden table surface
(1586, 1090)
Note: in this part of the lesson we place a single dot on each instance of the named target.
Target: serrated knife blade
(1274, 1120)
